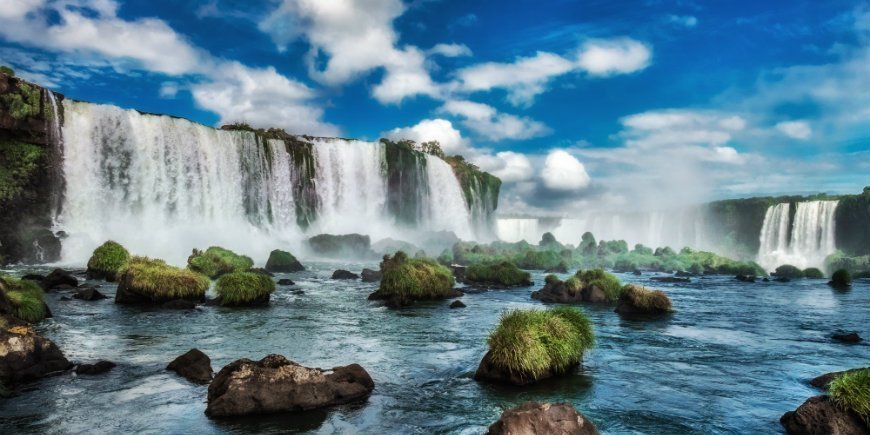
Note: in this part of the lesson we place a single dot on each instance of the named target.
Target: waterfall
(802, 243)
(55, 136)
(283, 207)
(445, 207)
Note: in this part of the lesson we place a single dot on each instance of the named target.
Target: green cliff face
(405, 181)
(852, 220)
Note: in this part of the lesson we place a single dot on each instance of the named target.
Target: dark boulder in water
(841, 279)
(457, 304)
(344, 274)
(194, 365)
(819, 415)
(59, 277)
(822, 382)
(670, 279)
(369, 275)
(352, 246)
(89, 294)
(26, 356)
(542, 418)
(286, 281)
(96, 368)
(283, 261)
(277, 385)
(846, 337)
(745, 278)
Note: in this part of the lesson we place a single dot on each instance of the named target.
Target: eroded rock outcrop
(542, 418)
(820, 416)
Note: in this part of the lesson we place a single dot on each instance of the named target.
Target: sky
(575, 105)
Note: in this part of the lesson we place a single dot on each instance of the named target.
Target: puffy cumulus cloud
(450, 50)
(527, 77)
(356, 37)
(795, 129)
(563, 172)
(442, 130)
(508, 166)
(489, 123)
(91, 29)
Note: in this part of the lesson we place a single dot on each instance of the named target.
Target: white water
(445, 209)
(802, 243)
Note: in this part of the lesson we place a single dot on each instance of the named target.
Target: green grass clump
(813, 273)
(851, 391)
(646, 300)
(26, 298)
(241, 288)
(216, 261)
(107, 259)
(531, 343)
(607, 282)
(283, 261)
(503, 273)
(789, 271)
(160, 281)
(408, 279)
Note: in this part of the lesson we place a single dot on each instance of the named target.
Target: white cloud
(451, 50)
(486, 121)
(563, 172)
(442, 130)
(683, 20)
(795, 129)
(509, 166)
(168, 90)
(606, 57)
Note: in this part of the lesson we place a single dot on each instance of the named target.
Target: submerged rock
(670, 279)
(820, 416)
(27, 356)
(457, 304)
(276, 385)
(194, 365)
(344, 274)
(745, 278)
(89, 294)
(286, 281)
(369, 275)
(96, 368)
(57, 278)
(542, 418)
(849, 337)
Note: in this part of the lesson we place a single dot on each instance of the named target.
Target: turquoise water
(732, 359)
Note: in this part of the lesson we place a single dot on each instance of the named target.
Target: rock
(194, 365)
(89, 294)
(63, 287)
(489, 372)
(745, 278)
(351, 246)
(562, 293)
(58, 277)
(286, 281)
(298, 292)
(782, 279)
(851, 337)
(458, 272)
(369, 275)
(276, 384)
(766, 280)
(457, 304)
(542, 418)
(96, 368)
(33, 277)
(26, 356)
(639, 301)
(344, 274)
(179, 304)
(283, 261)
(561, 268)
(824, 380)
(671, 279)
(636, 272)
(261, 271)
(820, 416)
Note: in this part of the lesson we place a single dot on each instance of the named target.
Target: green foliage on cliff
(851, 221)
(159, 280)
(858, 265)
(24, 102)
(242, 288)
(107, 259)
(503, 273)
(405, 170)
(26, 298)
(216, 261)
(6, 70)
(19, 162)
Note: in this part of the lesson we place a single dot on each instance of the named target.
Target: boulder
(563, 292)
(194, 365)
(822, 382)
(458, 272)
(850, 337)
(344, 274)
(820, 416)
(89, 294)
(59, 277)
(283, 261)
(96, 368)
(146, 281)
(745, 278)
(179, 304)
(352, 246)
(670, 279)
(542, 418)
(369, 275)
(26, 356)
(457, 304)
(639, 301)
(489, 372)
(286, 281)
(276, 385)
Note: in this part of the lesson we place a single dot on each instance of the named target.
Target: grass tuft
(646, 300)
(241, 288)
(155, 278)
(407, 279)
(107, 259)
(607, 282)
(851, 391)
(503, 273)
(216, 261)
(26, 298)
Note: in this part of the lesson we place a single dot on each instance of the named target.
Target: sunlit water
(732, 359)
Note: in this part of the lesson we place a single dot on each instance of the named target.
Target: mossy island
(216, 261)
(106, 260)
(590, 286)
(283, 262)
(22, 299)
(406, 280)
(841, 279)
(531, 345)
(641, 302)
(153, 282)
(503, 274)
(244, 289)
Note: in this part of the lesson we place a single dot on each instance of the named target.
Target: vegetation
(6, 70)
(243, 288)
(18, 164)
(850, 218)
(841, 278)
(26, 298)
(107, 259)
(160, 281)
(608, 283)
(283, 261)
(216, 261)
(405, 280)
(532, 343)
(858, 266)
(851, 391)
(644, 300)
(24, 102)
(813, 273)
(789, 272)
(503, 273)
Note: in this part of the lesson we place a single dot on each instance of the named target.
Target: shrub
(216, 261)
(607, 282)
(405, 280)
(159, 281)
(639, 300)
(539, 260)
(106, 260)
(841, 278)
(26, 298)
(813, 273)
(6, 70)
(283, 261)
(851, 391)
(789, 271)
(503, 273)
(748, 268)
(531, 343)
(244, 288)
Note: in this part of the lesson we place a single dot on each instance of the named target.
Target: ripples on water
(732, 359)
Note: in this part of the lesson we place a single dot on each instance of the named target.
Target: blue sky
(575, 104)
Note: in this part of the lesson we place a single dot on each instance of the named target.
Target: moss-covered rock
(241, 289)
(150, 281)
(352, 246)
(283, 261)
(642, 302)
(22, 299)
(501, 274)
(813, 273)
(406, 280)
(788, 271)
(593, 286)
(531, 345)
(216, 261)
(851, 391)
(106, 260)
(841, 279)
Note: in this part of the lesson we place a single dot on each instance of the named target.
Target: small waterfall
(802, 243)
(281, 203)
(446, 209)
(55, 136)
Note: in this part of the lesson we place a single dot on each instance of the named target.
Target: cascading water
(445, 208)
(802, 243)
